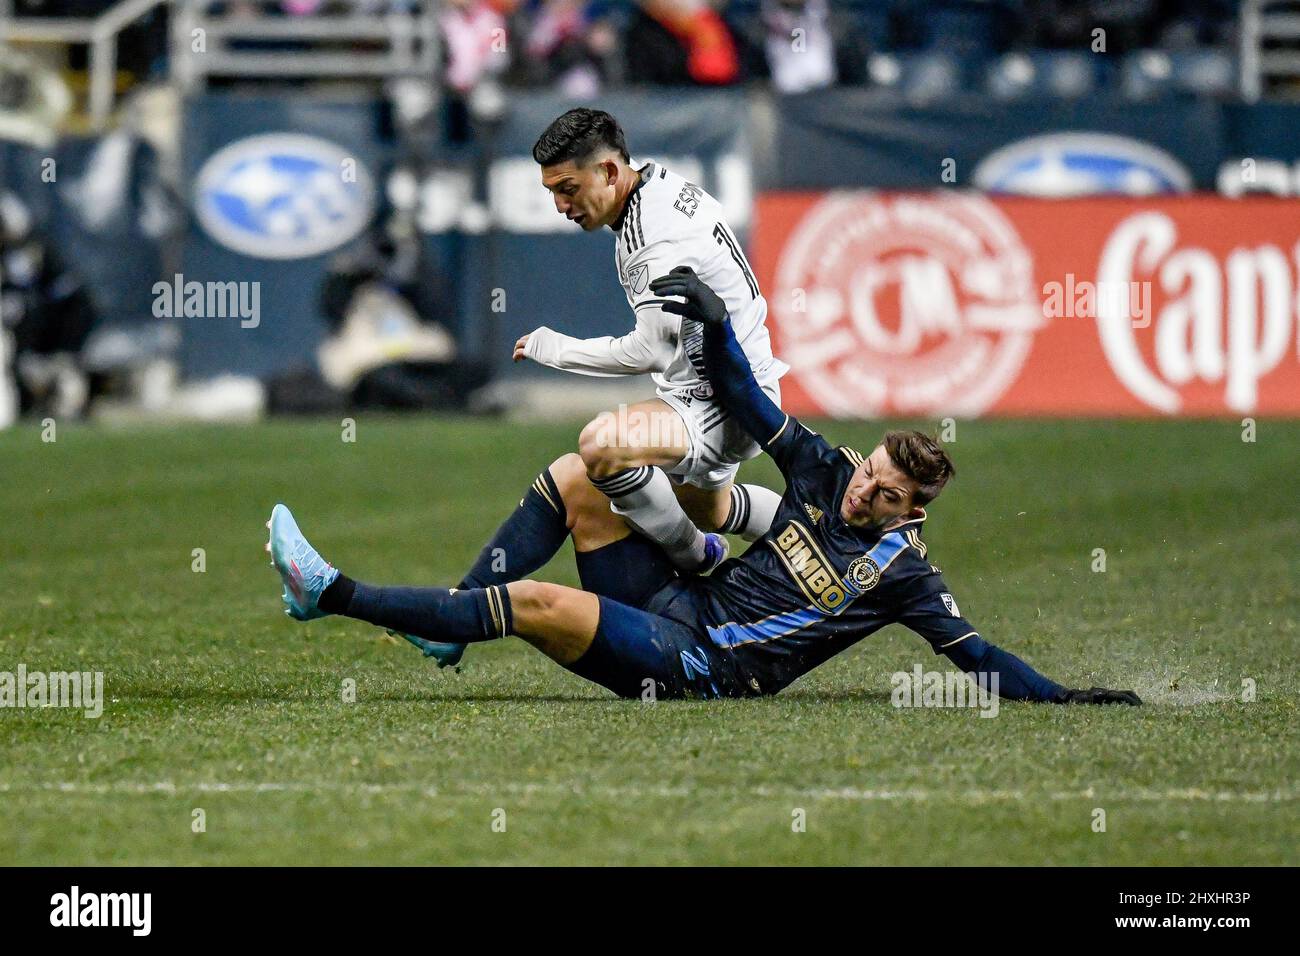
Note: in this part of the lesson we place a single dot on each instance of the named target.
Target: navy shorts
(651, 642)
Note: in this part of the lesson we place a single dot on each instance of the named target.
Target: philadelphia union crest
(864, 573)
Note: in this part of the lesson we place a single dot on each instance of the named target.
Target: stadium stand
(430, 86)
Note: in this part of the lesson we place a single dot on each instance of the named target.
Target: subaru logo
(1060, 165)
(283, 196)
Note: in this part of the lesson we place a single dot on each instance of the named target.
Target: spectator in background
(1069, 24)
(566, 46)
(803, 45)
(45, 317)
(301, 8)
(679, 43)
(474, 41)
(476, 54)
(1190, 23)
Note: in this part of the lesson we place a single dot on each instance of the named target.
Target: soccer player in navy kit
(843, 558)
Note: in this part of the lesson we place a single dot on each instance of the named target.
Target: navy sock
(526, 540)
(444, 614)
(628, 570)
(334, 599)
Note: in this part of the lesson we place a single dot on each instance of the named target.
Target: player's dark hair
(922, 459)
(577, 135)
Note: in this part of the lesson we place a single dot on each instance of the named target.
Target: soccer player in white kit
(668, 464)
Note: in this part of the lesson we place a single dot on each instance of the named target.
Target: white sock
(645, 499)
(753, 509)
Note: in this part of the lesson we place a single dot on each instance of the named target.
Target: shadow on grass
(855, 695)
(295, 695)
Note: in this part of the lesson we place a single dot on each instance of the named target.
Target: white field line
(850, 794)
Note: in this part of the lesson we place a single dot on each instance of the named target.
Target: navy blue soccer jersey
(813, 585)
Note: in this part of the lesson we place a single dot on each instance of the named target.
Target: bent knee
(600, 447)
(568, 471)
(708, 509)
(537, 597)
(709, 521)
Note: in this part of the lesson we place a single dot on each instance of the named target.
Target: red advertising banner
(955, 303)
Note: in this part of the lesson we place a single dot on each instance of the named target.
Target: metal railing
(211, 38)
(1265, 23)
(100, 34)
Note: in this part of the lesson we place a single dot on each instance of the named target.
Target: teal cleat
(445, 655)
(304, 572)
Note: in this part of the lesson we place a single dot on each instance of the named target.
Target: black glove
(702, 303)
(1099, 695)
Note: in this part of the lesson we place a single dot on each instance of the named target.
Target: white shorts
(716, 442)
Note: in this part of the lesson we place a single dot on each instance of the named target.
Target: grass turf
(216, 701)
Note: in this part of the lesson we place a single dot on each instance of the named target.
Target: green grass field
(216, 701)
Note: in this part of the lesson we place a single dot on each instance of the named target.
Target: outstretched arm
(791, 445)
(727, 366)
(648, 347)
(952, 635)
(639, 351)
(1018, 681)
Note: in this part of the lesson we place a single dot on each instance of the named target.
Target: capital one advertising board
(954, 303)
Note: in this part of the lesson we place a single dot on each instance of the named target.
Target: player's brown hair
(922, 459)
(577, 134)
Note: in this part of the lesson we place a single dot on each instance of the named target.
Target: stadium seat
(871, 17)
(1056, 74)
(920, 77)
(1151, 74)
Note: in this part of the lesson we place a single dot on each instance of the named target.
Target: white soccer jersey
(668, 222)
